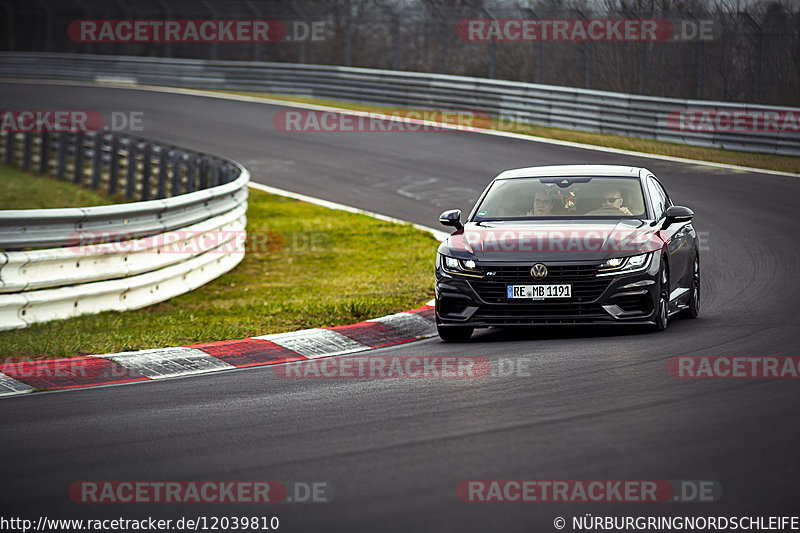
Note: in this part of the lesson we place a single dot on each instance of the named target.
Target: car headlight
(624, 265)
(460, 266)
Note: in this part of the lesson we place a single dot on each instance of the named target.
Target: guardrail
(562, 107)
(187, 229)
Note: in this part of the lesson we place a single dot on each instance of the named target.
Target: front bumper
(619, 299)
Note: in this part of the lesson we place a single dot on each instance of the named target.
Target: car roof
(572, 170)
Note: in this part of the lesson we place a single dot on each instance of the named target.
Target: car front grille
(586, 286)
(540, 313)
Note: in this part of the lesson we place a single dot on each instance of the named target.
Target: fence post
(203, 173)
(26, 151)
(161, 191)
(44, 153)
(130, 174)
(191, 168)
(77, 172)
(97, 160)
(146, 155)
(113, 168)
(217, 173)
(9, 147)
(61, 166)
(177, 173)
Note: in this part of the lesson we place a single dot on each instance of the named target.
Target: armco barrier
(562, 107)
(188, 229)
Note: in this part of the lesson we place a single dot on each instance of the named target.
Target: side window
(661, 190)
(658, 198)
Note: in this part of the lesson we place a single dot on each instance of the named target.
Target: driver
(612, 197)
(542, 204)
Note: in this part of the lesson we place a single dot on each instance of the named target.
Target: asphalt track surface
(597, 404)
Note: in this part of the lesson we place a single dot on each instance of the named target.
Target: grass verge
(307, 266)
(637, 144)
(22, 190)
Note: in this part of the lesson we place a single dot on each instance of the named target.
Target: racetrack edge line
(160, 364)
(208, 93)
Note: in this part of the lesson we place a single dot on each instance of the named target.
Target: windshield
(563, 197)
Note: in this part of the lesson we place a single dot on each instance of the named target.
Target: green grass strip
(22, 190)
(307, 266)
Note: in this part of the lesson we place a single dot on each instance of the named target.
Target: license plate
(539, 292)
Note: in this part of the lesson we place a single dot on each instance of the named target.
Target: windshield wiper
(481, 221)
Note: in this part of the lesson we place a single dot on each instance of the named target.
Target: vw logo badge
(539, 271)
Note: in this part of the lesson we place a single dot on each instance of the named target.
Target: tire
(454, 333)
(662, 306)
(694, 299)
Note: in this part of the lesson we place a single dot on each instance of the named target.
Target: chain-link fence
(699, 53)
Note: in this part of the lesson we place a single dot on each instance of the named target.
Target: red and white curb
(148, 365)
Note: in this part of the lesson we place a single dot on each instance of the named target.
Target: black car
(572, 244)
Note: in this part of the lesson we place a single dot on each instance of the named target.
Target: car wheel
(454, 333)
(694, 299)
(662, 306)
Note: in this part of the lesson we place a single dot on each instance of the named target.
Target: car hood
(554, 241)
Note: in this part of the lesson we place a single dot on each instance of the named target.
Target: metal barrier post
(44, 153)
(9, 147)
(97, 160)
(26, 152)
(203, 173)
(177, 173)
(215, 174)
(113, 168)
(130, 174)
(77, 176)
(191, 173)
(161, 191)
(61, 166)
(146, 156)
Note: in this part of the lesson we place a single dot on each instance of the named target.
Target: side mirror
(451, 218)
(677, 213)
